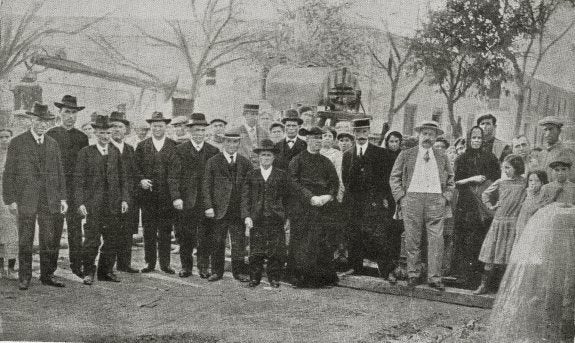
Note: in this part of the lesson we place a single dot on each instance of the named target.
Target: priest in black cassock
(314, 182)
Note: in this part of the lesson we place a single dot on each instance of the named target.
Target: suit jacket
(91, 175)
(24, 175)
(377, 164)
(128, 158)
(218, 182)
(162, 185)
(246, 144)
(188, 171)
(255, 194)
(285, 154)
(403, 171)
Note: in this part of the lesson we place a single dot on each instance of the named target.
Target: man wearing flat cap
(251, 133)
(216, 136)
(154, 158)
(553, 146)
(422, 185)
(71, 141)
(314, 184)
(34, 188)
(225, 174)
(365, 173)
(102, 196)
(188, 171)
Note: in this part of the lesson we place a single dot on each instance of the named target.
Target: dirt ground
(158, 307)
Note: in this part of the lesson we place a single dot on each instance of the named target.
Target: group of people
(312, 202)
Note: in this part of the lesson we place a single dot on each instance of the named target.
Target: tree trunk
(520, 97)
(264, 82)
(451, 114)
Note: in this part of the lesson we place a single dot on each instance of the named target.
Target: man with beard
(71, 141)
(154, 158)
(314, 184)
(128, 222)
(365, 173)
(422, 186)
(553, 146)
(188, 171)
(222, 187)
(34, 188)
(102, 195)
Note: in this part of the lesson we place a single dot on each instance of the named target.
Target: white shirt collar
(103, 150)
(229, 157)
(36, 137)
(422, 151)
(291, 139)
(158, 143)
(266, 172)
(363, 147)
(119, 145)
(198, 147)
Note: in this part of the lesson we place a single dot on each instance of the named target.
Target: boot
(484, 286)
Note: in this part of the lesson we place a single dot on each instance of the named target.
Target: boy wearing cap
(561, 190)
(263, 197)
(102, 195)
(188, 171)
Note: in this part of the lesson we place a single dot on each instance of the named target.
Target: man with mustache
(422, 185)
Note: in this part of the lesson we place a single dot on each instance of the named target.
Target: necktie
(39, 141)
(360, 151)
(426, 156)
(232, 159)
(104, 152)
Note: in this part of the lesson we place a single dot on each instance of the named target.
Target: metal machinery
(335, 93)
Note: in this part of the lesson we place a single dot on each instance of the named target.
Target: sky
(400, 16)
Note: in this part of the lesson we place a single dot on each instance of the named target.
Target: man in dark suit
(422, 185)
(154, 157)
(251, 133)
(222, 187)
(188, 171)
(292, 145)
(34, 187)
(70, 140)
(102, 195)
(365, 174)
(128, 222)
(263, 196)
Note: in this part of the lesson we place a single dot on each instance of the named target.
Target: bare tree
(211, 39)
(397, 68)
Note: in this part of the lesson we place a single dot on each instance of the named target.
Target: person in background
(459, 146)
(488, 123)
(71, 141)
(536, 179)
(251, 133)
(522, 148)
(561, 189)
(277, 132)
(475, 170)
(265, 119)
(20, 122)
(343, 126)
(217, 131)
(345, 141)
(141, 132)
(442, 144)
(89, 132)
(334, 155)
(9, 227)
(306, 114)
(392, 143)
(409, 142)
(504, 197)
(179, 133)
(553, 146)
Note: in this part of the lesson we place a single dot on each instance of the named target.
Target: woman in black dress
(475, 170)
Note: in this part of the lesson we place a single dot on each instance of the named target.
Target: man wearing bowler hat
(553, 146)
(154, 158)
(251, 133)
(34, 188)
(188, 171)
(102, 195)
(180, 134)
(222, 190)
(422, 185)
(292, 145)
(71, 141)
(365, 173)
(264, 195)
(128, 222)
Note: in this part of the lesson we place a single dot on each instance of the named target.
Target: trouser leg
(276, 253)
(205, 238)
(412, 206)
(49, 243)
(150, 237)
(109, 248)
(74, 230)
(164, 226)
(237, 237)
(124, 252)
(434, 218)
(91, 245)
(186, 228)
(26, 229)
(219, 246)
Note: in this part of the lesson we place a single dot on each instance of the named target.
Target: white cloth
(159, 143)
(102, 149)
(362, 147)
(198, 147)
(291, 142)
(36, 137)
(119, 145)
(425, 177)
(266, 172)
(229, 157)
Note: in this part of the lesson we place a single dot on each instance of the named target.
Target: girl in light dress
(535, 180)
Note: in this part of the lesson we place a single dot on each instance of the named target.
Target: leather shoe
(214, 277)
(412, 282)
(241, 277)
(23, 285)
(168, 270)
(185, 273)
(88, 280)
(253, 283)
(77, 271)
(108, 277)
(437, 285)
(129, 270)
(50, 281)
(391, 279)
(147, 269)
(205, 275)
(274, 284)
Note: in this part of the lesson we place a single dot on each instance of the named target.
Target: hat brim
(438, 130)
(546, 122)
(167, 121)
(299, 120)
(219, 121)
(123, 121)
(554, 164)
(345, 135)
(50, 117)
(104, 127)
(272, 150)
(61, 105)
(198, 123)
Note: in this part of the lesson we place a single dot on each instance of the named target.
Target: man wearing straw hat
(34, 188)
(422, 185)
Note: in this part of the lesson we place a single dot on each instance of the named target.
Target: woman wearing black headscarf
(475, 170)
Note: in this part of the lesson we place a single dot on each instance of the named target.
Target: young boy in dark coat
(263, 198)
